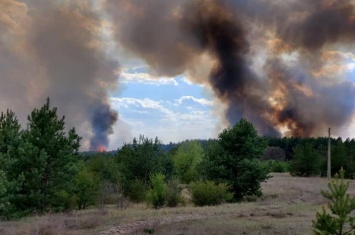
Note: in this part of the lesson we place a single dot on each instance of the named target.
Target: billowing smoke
(280, 64)
(222, 35)
(55, 49)
(102, 123)
(276, 63)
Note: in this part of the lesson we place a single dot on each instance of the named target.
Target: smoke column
(102, 123)
(55, 49)
(276, 63)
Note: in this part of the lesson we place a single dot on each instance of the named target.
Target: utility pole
(329, 157)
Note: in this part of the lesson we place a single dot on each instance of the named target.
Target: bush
(112, 193)
(276, 166)
(86, 188)
(186, 160)
(174, 193)
(136, 191)
(209, 193)
(157, 194)
(274, 153)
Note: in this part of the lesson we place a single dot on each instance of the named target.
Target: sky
(181, 69)
(172, 109)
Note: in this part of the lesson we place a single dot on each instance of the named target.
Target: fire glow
(101, 149)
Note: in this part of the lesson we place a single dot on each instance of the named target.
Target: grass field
(288, 206)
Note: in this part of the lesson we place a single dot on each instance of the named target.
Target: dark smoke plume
(288, 88)
(57, 51)
(102, 123)
(232, 80)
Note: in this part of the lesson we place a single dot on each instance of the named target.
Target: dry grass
(287, 207)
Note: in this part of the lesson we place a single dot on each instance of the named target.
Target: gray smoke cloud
(55, 49)
(288, 88)
(277, 63)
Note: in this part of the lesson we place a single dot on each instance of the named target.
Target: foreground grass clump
(339, 221)
(209, 193)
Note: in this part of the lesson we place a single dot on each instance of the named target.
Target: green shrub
(157, 194)
(209, 193)
(186, 160)
(86, 188)
(174, 193)
(277, 166)
(66, 201)
(136, 191)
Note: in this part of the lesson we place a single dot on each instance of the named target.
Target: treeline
(41, 169)
(308, 156)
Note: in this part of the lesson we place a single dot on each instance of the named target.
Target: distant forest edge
(285, 143)
(293, 150)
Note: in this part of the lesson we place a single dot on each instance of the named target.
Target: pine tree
(337, 220)
(48, 159)
(10, 140)
(233, 159)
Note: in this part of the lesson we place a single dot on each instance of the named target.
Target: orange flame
(101, 149)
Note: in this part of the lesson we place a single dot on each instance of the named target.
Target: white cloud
(146, 78)
(201, 101)
(164, 120)
(142, 103)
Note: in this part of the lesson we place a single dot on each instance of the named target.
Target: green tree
(3, 191)
(10, 141)
(306, 161)
(48, 159)
(338, 219)
(234, 160)
(340, 158)
(350, 148)
(138, 161)
(186, 160)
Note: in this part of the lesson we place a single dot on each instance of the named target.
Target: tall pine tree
(48, 159)
(10, 140)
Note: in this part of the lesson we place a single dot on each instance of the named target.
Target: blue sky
(172, 109)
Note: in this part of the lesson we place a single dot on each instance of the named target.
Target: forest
(42, 169)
